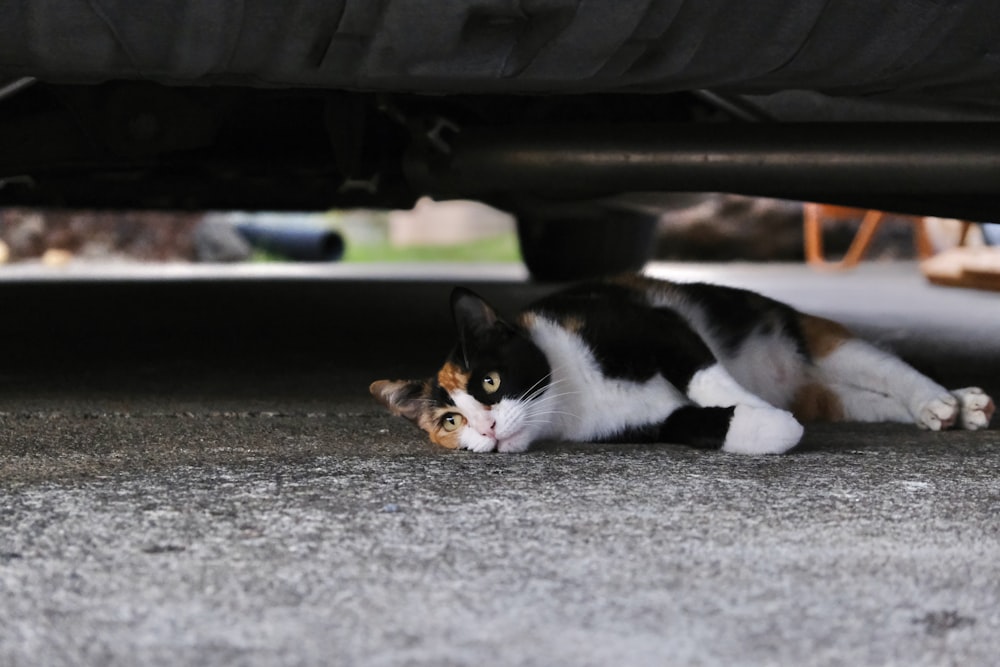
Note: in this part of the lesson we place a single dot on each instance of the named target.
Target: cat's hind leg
(873, 385)
(976, 408)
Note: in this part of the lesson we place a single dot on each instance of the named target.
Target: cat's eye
(452, 421)
(491, 382)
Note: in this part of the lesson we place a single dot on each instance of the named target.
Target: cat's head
(490, 391)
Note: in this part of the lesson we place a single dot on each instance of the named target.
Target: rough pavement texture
(259, 510)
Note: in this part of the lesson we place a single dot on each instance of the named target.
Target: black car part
(910, 49)
(949, 169)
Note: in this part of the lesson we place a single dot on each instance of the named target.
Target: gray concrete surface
(192, 474)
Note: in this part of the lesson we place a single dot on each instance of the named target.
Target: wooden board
(978, 268)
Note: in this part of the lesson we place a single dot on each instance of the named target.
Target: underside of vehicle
(531, 106)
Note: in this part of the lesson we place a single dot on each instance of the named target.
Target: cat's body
(640, 360)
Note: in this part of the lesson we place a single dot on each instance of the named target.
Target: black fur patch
(736, 314)
(521, 365)
(439, 395)
(705, 428)
(692, 425)
(630, 339)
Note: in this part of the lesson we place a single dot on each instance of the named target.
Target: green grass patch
(502, 248)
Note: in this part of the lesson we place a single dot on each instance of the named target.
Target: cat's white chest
(591, 405)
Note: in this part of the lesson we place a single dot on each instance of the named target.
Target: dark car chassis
(557, 111)
(550, 160)
(140, 144)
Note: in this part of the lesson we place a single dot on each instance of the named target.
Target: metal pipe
(16, 86)
(302, 244)
(788, 160)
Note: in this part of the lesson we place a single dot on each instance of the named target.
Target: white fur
(767, 364)
(861, 373)
(474, 441)
(874, 385)
(586, 404)
(715, 387)
(757, 427)
(477, 433)
(477, 415)
(521, 422)
(511, 425)
(938, 413)
(755, 430)
(976, 408)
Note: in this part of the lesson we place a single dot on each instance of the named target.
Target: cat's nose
(489, 431)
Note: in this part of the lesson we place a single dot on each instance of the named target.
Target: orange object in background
(814, 215)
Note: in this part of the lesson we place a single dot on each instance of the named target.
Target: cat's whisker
(561, 393)
(535, 391)
(547, 399)
(546, 394)
(540, 381)
(546, 418)
(543, 413)
(534, 395)
(556, 412)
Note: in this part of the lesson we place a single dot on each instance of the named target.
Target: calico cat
(634, 359)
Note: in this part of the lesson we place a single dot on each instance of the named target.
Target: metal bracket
(436, 134)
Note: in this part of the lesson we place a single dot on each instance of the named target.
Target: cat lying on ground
(635, 359)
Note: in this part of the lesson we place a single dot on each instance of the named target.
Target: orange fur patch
(634, 281)
(431, 423)
(646, 285)
(571, 323)
(439, 436)
(822, 336)
(452, 378)
(444, 439)
(815, 402)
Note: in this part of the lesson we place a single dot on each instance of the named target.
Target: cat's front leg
(756, 427)
(715, 387)
(740, 429)
(755, 430)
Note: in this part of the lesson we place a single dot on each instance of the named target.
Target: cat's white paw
(976, 408)
(755, 430)
(939, 413)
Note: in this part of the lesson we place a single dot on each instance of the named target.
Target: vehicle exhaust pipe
(878, 162)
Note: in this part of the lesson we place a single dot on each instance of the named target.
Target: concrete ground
(191, 472)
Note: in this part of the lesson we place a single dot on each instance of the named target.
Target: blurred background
(688, 227)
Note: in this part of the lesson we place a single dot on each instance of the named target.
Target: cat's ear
(404, 398)
(471, 310)
(473, 317)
